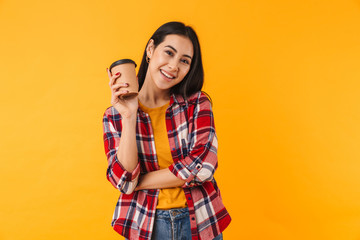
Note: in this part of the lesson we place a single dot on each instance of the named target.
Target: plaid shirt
(193, 145)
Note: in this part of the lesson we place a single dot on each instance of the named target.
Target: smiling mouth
(166, 75)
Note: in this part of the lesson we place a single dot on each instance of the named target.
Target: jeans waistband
(174, 213)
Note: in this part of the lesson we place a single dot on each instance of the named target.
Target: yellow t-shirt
(168, 197)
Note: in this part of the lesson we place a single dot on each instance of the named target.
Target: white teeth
(167, 75)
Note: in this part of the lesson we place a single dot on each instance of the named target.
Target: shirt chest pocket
(181, 141)
(184, 148)
(183, 134)
(179, 133)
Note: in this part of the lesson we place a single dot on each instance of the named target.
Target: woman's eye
(185, 61)
(169, 53)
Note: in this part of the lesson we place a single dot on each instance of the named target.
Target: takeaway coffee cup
(128, 74)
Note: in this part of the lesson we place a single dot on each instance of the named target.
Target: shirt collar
(177, 99)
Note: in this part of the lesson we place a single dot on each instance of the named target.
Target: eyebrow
(185, 55)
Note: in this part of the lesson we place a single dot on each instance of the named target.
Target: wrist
(129, 120)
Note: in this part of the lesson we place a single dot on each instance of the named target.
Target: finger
(121, 92)
(117, 86)
(109, 75)
(114, 77)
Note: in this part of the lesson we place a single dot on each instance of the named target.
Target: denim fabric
(173, 224)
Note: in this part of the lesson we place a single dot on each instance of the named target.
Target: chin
(161, 84)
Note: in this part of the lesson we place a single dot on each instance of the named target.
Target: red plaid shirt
(193, 143)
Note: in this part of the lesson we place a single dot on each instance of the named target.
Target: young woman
(162, 147)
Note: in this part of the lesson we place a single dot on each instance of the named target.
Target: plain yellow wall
(284, 79)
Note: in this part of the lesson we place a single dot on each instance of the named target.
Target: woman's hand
(126, 107)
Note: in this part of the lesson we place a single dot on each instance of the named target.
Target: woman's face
(170, 61)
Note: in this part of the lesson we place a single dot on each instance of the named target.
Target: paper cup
(128, 75)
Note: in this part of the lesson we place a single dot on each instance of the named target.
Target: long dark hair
(194, 79)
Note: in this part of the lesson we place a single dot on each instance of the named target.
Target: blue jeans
(173, 224)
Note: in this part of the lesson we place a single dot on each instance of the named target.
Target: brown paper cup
(128, 75)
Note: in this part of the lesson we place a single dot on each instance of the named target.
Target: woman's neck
(151, 96)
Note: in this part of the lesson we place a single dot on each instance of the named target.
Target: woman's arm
(121, 151)
(159, 179)
(119, 123)
(200, 162)
(127, 151)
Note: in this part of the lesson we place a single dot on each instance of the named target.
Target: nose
(173, 65)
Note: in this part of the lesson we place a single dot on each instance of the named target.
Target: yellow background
(284, 79)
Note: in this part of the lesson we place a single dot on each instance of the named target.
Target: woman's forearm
(127, 151)
(159, 179)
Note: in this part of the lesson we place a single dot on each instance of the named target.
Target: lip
(165, 78)
(172, 75)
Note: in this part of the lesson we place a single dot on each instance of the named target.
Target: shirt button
(193, 218)
(189, 198)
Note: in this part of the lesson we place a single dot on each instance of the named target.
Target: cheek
(160, 58)
(185, 71)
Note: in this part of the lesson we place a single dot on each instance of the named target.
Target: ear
(150, 48)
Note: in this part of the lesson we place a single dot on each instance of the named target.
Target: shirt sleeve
(116, 174)
(200, 160)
